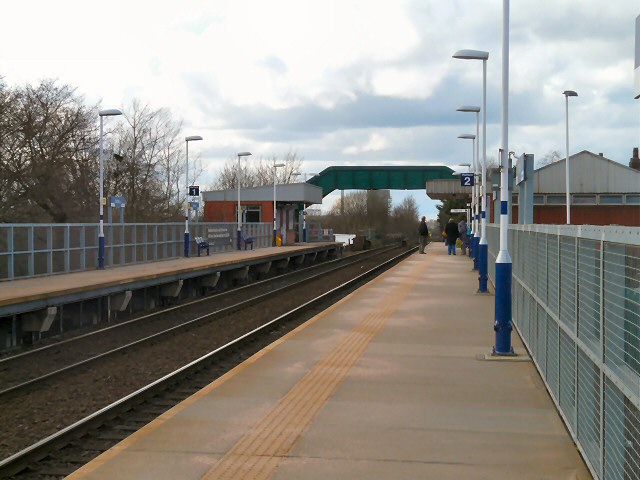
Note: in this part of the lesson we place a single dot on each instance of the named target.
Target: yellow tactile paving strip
(257, 455)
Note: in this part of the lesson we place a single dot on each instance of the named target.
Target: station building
(256, 205)
(603, 192)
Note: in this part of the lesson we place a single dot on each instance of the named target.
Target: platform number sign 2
(466, 179)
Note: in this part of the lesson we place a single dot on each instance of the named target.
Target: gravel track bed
(59, 355)
(36, 413)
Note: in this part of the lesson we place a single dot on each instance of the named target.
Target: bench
(202, 243)
(247, 241)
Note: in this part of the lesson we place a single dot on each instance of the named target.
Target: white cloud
(203, 59)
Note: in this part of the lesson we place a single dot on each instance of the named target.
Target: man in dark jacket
(423, 231)
(451, 229)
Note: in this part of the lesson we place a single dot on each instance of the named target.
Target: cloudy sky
(342, 82)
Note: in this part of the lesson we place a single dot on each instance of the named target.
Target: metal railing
(576, 305)
(29, 250)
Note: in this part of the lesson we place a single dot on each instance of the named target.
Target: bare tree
(551, 156)
(258, 172)
(404, 218)
(48, 136)
(147, 164)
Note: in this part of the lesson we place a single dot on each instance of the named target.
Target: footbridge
(378, 178)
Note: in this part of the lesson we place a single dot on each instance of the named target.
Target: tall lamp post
(475, 241)
(304, 212)
(103, 113)
(503, 324)
(187, 240)
(239, 232)
(275, 176)
(567, 94)
(469, 136)
(483, 247)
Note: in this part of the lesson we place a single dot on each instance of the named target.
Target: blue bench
(247, 241)
(202, 243)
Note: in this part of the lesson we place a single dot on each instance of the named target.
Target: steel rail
(32, 454)
(176, 329)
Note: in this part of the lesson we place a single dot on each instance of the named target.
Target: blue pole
(503, 319)
(476, 241)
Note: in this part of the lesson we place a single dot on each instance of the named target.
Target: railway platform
(393, 381)
(49, 305)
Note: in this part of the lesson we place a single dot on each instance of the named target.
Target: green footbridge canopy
(378, 178)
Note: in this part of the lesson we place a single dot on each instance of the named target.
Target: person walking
(423, 231)
(451, 229)
(464, 237)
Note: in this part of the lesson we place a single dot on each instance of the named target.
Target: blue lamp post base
(239, 239)
(483, 277)
(187, 241)
(503, 322)
(101, 252)
(476, 252)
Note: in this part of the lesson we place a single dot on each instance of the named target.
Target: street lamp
(239, 232)
(483, 246)
(567, 94)
(304, 212)
(275, 167)
(469, 136)
(475, 240)
(503, 324)
(187, 240)
(103, 113)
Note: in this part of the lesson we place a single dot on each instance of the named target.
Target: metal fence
(576, 305)
(28, 250)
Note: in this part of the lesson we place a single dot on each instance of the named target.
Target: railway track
(34, 366)
(122, 389)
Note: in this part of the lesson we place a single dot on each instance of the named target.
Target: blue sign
(521, 169)
(467, 179)
(194, 190)
(118, 202)
(194, 205)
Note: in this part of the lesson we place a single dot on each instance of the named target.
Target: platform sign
(221, 236)
(194, 190)
(467, 179)
(521, 169)
(194, 205)
(118, 202)
(458, 210)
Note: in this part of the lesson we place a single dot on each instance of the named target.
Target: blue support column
(483, 251)
(187, 241)
(239, 239)
(503, 325)
(476, 249)
(101, 252)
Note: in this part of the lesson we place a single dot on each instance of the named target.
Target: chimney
(634, 162)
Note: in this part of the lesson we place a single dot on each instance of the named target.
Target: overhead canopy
(378, 178)
(287, 193)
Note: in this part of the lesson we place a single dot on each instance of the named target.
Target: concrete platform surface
(30, 289)
(389, 383)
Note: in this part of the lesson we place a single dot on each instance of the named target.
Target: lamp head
(467, 136)
(569, 93)
(471, 55)
(110, 112)
(278, 165)
(244, 154)
(192, 138)
(468, 108)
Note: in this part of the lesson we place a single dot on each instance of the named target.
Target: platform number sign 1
(194, 190)
(466, 179)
